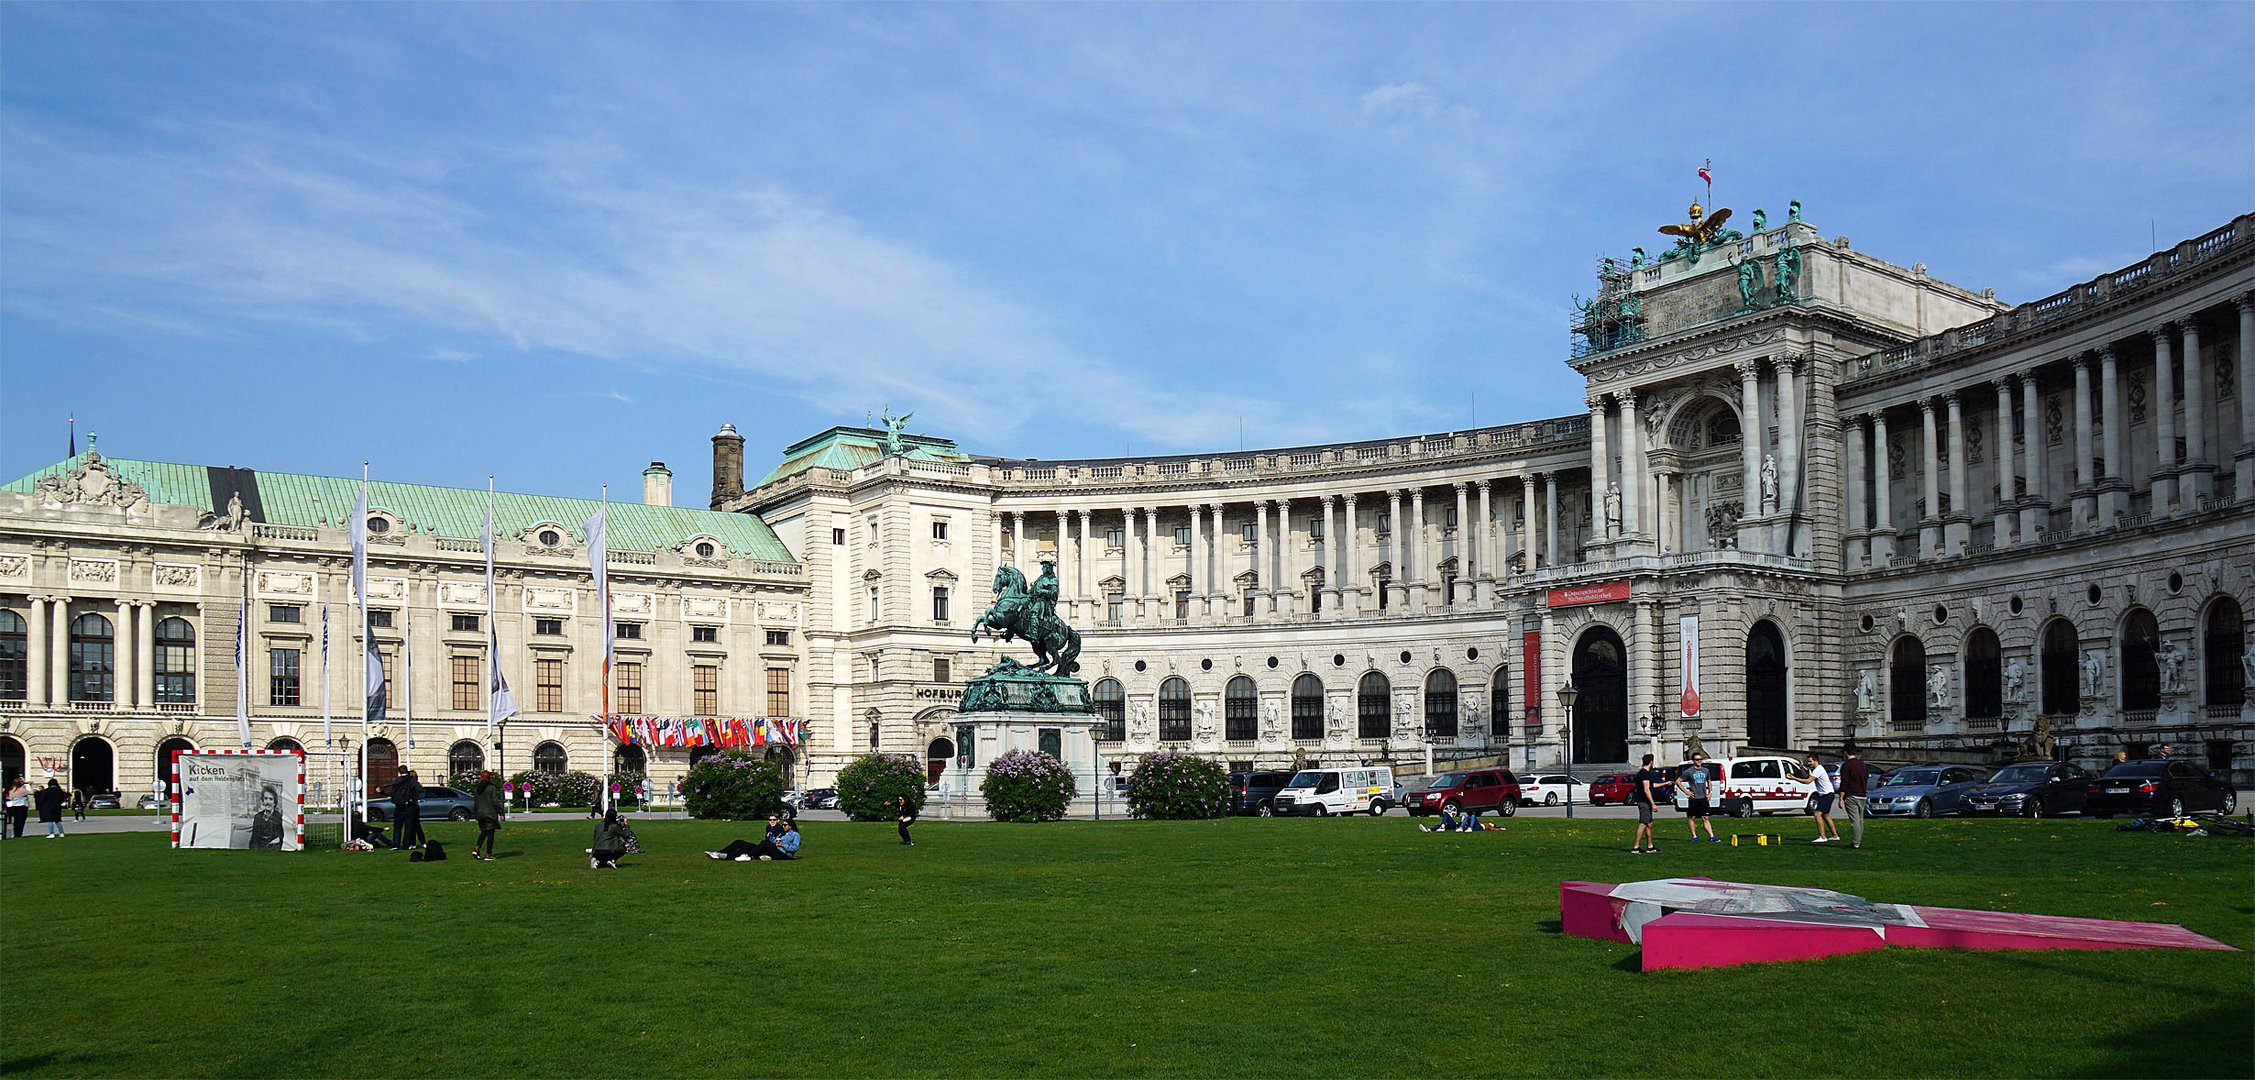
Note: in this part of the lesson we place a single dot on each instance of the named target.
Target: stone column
(1750, 434)
(2196, 485)
(1018, 542)
(1264, 581)
(1350, 544)
(1930, 464)
(1789, 433)
(1632, 467)
(1858, 434)
(1957, 528)
(1467, 563)
(1277, 587)
(1130, 605)
(2113, 491)
(2002, 468)
(2243, 459)
(1882, 494)
(1527, 523)
(1550, 518)
(146, 665)
(1196, 571)
(1087, 584)
(36, 636)
(1334, 554)
(1396, 592)
(1491, 551)
(1416, 554)
(58, 653)
(1217, 573)
(1600, 465)
(2086, 478)
(1154, 606)
(2164, 423)
(121, 653)
(2035, 507)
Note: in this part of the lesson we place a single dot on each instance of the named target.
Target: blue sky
(556, 242)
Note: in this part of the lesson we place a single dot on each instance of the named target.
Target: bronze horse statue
(1018, 612)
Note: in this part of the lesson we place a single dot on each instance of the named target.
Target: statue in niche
(2172, 664)
(1867, 692)
(2094, 677)
(1613, 509)
(1749, 283)
(2247, 668)
(1206, 732)
(1769, 481)
(1788, 274)
(1334, 718)
(2015, 681)
(1272, 725)
(1938, 686)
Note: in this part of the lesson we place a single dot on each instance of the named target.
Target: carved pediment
(92, 483)
(939, 576)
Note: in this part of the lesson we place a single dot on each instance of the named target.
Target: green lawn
(1242, 947)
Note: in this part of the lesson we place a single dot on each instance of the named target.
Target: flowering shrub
(734, 784)
(868, 787)
(556, 789)
(1179, 787)
(1027, 785)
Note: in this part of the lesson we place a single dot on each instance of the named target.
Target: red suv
(1474, 790)
(1610, 789)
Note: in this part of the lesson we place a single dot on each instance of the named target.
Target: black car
(821, 798)
(2030, 789)
(1255, 792)
(2159, 786)
(438, 802)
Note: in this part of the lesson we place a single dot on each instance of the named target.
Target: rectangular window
(1383, 524)
(626, 696)
(379, 618)
(15, 663)
(704, 690)
(1448, 520)
(1114, 606)
(628, 631)
(1315, 528)
(1115, 537)
(469, 681)
(1182, 535)
(1246, 531)
(872, 522)
(282, 683)
(939, 669)
(837, 536)
(1385, 590)
(548, 686)
(548, 627)
(872, 603)
(1448, 588)
(1315, 598)
(288, 613)
(779, 637)
(939, 603)
(390, 657)
(1182, 604)
(778, 691)
(939, 530)
(707, 634)
(464, 624)
(1250, 593)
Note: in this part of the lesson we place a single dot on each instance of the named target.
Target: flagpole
(603, 792)
(326, 738)
(492, 629)
(357, 810)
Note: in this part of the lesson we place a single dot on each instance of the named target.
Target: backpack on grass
(433, 851)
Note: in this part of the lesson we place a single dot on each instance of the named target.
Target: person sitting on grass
(610, 842)
(782, 843)
(1454, 821)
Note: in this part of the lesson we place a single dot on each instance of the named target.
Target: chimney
(657, 485)
(728, 466)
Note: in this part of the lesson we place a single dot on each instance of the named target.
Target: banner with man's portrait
(239, 799)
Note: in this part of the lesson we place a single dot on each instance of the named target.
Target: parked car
(1322, 792)
(1755, 784)
(1476, 790)
(1610, 790)
(1549, 789)
(2159, 786)
(795, 799)
(147, 802)
(438, 802)
(1255, 792)
(1924, 790)
(2031, 789)
(821, 798)
(107, 800)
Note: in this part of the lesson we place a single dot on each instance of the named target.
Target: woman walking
(19, 808)
(51, 800)
(485, 805)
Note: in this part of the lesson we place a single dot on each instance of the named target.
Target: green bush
(868, 787)
(734, 784)
(1178, 787)
(1027, 785)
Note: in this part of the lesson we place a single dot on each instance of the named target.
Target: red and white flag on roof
(1706, 174)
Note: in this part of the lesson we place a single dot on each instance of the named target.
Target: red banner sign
(1575, 595)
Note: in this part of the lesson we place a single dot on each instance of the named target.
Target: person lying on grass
(785, 845)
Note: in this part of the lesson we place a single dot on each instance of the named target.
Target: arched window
(1373, 707)
(2141, 674)
(464, 757)
(2223, 645)
(167, 751)
(1174, 710)
(629, 760)
(549, 758)
(285, 743)
(1906, 683)
(1984, 675)
(176, 661)
(1440, 704)
(2063, 686)
(1307, 708)
(13, 649)
(1110, 700)
(93, 659)
(1499, 706)
(1240, 709)
(12, 758)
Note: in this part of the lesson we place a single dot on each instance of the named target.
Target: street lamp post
(1567, 696)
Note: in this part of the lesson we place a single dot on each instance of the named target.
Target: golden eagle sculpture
(1698, 231)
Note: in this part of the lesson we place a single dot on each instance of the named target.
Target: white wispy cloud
(1415, 101)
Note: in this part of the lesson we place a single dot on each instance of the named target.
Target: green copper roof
(278, 498)
(846, 449)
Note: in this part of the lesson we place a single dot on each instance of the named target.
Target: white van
(1319, 792)
(1744, 786)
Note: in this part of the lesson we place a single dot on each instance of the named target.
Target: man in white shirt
(1822, 802)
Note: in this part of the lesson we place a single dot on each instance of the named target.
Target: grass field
(1241, 947)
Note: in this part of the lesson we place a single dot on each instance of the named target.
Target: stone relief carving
(14, 566)
(286, 583)
(1938, 686)
(544, 598)
(92, 483)
(2015, 681)
(1722, 523)
(779, 613)
(705, 607)
(388, 588)
(1691, 355)
(639, 603)
(461, 594)
(98, 571)
(177, 575)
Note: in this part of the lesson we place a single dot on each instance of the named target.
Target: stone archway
(93, 764)
(1767, 709)
(1601, 712)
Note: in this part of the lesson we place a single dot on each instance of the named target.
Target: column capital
(1748, 370)
(1460, 485)
(1483, 483)
(1350, 497)
(1597, 402)
(2105, 353)
(2164, 329)
(1926, 405)
(2245, 302)
(1789, 363)
(1949, 399)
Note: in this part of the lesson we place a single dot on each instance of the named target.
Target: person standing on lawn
(907, 811)
(1855, 787)
(1697, 809)
(1821, 802)
(485, 805)
(1651, 786)
(51, 800)
(78, 804)
(19, 808)
(406, 811)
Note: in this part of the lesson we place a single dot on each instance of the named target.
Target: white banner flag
(372, 659)
(242, 670)
(500, 703)
(599, 563)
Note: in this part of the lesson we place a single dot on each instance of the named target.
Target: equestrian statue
(1030, 612)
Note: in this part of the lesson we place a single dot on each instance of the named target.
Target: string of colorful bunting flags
(727, 733)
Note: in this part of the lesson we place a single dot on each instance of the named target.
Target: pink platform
(1701, 922)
